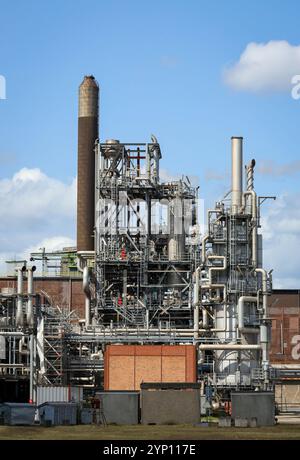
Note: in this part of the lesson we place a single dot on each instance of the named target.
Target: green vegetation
(153, 432)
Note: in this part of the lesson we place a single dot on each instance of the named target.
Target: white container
(58, 394)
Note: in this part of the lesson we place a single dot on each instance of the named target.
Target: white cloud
(270, 168)
(55, 243)
(35, 208)
(265, 67)
(212, 175)
(281, 233)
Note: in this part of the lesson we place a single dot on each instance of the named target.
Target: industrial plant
(146, 308)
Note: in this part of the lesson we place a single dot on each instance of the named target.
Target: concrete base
(241, 422)
(163, 407)
(225, 422)
(259, 405)
(253, 422)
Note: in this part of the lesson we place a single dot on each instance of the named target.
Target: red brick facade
(64, 292)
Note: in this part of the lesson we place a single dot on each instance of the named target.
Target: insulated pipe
(265, 290)
(229, 346)
(87, 291)
(205, 318)
(31, 346)
(203, 253)
(19, 313)
(197, 287)
(12, 334)
(188, 332)
(241, 305)
(196, 303)
(264, 326)
(254, 222)
(81, 255)
(217, 286)
(21, 344)
(236, 174)
(29, 313)
(211, 269)
(204, 311)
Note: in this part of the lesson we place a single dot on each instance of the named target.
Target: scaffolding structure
(153, 278)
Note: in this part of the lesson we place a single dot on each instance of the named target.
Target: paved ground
(284, 430)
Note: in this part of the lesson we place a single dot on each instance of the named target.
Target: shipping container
(58, 413)
(18, 413)
(58, 394)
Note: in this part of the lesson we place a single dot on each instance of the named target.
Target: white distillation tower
(232, 287)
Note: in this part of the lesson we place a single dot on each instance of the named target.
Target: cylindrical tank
(88, 117)
(236, 173)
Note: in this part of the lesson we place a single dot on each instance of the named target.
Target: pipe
(196, 305)
(21, 344)
(265, 290)
(236, 174)
(19, 313)
(264, 326)
(29, 314)
(222, 286)
(241, 304)
(254, 223)
(142, 329)
(87, 291)
(81, 255)
(205, 318)
(211, 269)
(31, 370)
(204, 311)
(229, 346)
(12, 334)
(203, 253)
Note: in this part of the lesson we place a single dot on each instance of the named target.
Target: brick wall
(65, 292)
(126, 366)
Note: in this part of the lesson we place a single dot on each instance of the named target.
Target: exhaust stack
(88, 116)
(236, 174)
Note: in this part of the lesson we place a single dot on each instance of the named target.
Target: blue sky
(160, 66)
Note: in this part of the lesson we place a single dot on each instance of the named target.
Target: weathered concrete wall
(260, 405)
(121, 408)
(164, 407)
